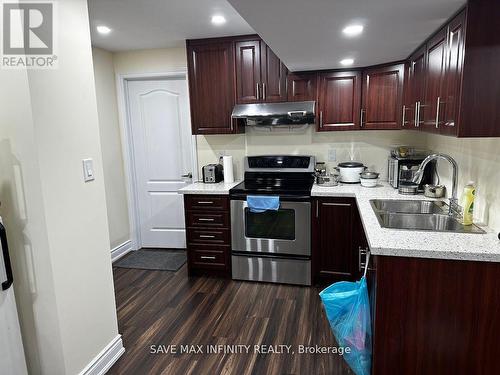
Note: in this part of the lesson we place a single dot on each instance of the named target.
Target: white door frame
(127, 149)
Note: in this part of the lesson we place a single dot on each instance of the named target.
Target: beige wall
(160, 60)
(478, 160)
(107, 66)
(109, 129)
(57, 224)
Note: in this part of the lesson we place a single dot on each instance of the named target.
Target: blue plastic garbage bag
(347, 307)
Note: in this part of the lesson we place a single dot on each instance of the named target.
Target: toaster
(212, 173)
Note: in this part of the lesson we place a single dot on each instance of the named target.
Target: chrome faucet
(417, 178)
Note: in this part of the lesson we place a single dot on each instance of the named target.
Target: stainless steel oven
(285, 231)
(274, 245)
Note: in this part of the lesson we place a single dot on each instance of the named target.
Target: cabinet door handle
(317, 209)
(207, 257)
(207, 236)
(264, 91)
(205, 202)
(404, 115)
(363, 252)
(204, 219)
(361, 118)
(321, 119)
(417, 118)
(258, 91)
(437, 111)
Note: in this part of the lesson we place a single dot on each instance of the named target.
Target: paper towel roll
(227, 163)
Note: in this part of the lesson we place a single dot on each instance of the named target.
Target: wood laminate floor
(168, 308)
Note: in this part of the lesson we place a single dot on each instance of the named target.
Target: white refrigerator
(12, 359)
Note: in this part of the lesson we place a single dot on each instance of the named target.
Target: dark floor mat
(162, 260)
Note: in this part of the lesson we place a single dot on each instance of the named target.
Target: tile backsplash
(370, 147)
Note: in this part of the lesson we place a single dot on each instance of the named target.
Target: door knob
(189, 175)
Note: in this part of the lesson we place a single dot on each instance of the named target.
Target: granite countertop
(220, 188)
(410, 243)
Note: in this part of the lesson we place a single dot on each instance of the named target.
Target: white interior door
(161, 153)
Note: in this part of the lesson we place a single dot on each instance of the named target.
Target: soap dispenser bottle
(467, 202)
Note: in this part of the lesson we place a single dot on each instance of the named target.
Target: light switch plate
(88, 170)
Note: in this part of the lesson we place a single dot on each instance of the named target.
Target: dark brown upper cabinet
(478, 89)
(434, 76)
(459, 80)
(260, 75)
(453, 76)
(248, 76)
(382, 97)
(339, 98)
(414, 89)
(301, 86)
(211, 86)
(408, 110)
(274, 74)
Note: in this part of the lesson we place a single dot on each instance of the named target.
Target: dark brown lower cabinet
(337, 236)
(436, 317)
(208, 234)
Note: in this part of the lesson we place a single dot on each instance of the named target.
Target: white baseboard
(106, 358)
(121, 250)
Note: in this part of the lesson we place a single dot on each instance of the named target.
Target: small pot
(327, 180)
(369, 182)
(369, 179)
(349, 171)
(367, 175)
(408, 188)
(434, 191)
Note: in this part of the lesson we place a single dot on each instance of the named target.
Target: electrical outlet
(332, 154)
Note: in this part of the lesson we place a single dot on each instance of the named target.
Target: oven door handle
(5, 248)
(297, 198)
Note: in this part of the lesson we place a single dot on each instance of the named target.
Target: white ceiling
(307, 34)
(140, 24)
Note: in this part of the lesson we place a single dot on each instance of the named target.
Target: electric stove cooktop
(283, 175)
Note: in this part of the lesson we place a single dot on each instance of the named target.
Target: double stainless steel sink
(418, 215)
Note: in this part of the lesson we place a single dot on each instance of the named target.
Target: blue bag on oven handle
(347, 308)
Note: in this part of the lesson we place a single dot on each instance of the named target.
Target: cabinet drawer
(206, 202)
(208, 236)
(208, 258)
(207, 219)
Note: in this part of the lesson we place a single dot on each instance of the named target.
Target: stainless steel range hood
(288, 113)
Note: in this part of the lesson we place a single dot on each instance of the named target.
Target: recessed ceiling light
(218, 20)
(103, 29)
(353, 30)
(346, 62)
